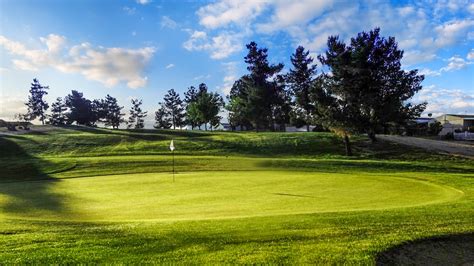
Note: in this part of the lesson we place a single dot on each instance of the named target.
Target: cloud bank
(109, 66)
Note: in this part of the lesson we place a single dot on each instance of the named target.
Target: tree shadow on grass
(25, 183)
(443, 250)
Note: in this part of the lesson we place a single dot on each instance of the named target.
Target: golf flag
(172, 146)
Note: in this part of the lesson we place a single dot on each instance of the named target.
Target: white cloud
(290, 13)
(451, 32)
(231, 75)
(455, 63)
(446, 101)
(470, 55)
(167, 22)
(471, 8)
(109, 66)
(220, 46)
(169, 66)
(9, 106)
(225, 12)
(143, 2)
(429, 72)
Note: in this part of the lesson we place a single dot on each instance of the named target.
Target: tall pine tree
(368, 72)
(258, 94)
(193, 116)
(113, 115)
(58, 113)
(299, 80)
(175, 108)
(162, 118)
(135, 120)
(37, 106)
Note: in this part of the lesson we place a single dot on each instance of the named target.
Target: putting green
(203, 195)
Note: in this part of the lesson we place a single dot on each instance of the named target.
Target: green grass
(74, 195)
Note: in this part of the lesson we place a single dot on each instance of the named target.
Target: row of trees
(199, 107)
(363, 89)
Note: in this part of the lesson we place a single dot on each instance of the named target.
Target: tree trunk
(307, 127)
(205, 127)
(347, 143)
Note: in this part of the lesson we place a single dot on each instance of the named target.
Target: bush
(449, 136)
(435, 128)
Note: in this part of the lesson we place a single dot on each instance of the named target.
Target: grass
(75, 195)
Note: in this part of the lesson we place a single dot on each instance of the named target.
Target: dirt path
(463, 149)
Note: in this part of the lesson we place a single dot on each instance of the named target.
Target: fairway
(219, 194)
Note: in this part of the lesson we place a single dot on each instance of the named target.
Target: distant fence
(464, 136)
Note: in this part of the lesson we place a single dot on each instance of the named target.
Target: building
(452, 123)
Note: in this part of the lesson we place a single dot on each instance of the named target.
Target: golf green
(213, 195)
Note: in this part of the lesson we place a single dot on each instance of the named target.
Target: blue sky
(142, 48)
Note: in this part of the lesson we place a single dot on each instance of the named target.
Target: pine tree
(175, 108)
(259, 95)
(208, 106)
(37, 106)
(113, 115)
(135, 119)
(299, 80)
(162, 119)
(367, 88)
(193, 116)
(58, 113)
(80, 109)
(368, 73)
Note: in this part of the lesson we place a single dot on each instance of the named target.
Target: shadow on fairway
(443, 250)
(25, 183)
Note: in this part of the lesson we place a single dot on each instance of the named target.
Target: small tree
(58, 113)
(37, 106)
(175, 108)
(113, 112)
(162, 119)
(135, 119)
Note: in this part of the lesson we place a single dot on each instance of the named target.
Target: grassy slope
(319, 237)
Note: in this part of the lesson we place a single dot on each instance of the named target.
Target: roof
(462, 116)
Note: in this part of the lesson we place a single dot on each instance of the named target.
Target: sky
(142, 48)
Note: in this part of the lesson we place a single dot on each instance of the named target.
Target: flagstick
(173, 165)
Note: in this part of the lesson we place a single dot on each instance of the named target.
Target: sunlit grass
(80, 195)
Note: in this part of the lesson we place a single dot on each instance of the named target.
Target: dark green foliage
(58, 113)
(258, 98)
(175, 108)
(37, 106)
(434, 128)
(208, 105)
(367, 90)
(299, 80)
(113, 112)
(368, 73)
(81, 110)
(193, 116)
(162, 118)
(135, 120)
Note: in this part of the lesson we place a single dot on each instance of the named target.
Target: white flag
(172, 146)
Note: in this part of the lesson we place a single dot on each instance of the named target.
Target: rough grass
(75, 195)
